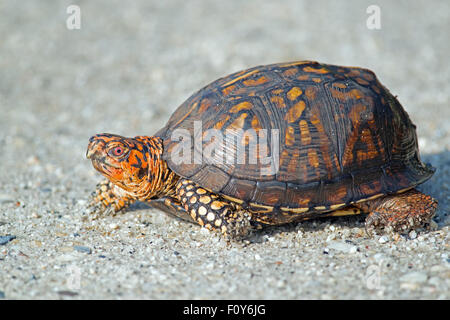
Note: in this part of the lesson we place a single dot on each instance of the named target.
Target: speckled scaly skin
(346, 146)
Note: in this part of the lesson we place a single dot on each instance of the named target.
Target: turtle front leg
(107, 199)
(212, 211)
(400, 212)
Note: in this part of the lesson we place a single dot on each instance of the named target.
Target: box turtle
(271, 145)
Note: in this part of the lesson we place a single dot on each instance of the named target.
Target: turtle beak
(90, 153)
(92, 148)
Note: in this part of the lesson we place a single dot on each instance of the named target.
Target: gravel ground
(125, 71)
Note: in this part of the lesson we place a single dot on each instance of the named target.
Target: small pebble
(435, 281)
(114, 226)
(414, 277)
(35, 215)
(5, 239)
(67, 293)
(6, 198)
(379, 257)
(65, 258)
(413, 234)
(83, 249)
(437, 268)
(383, 239)
(341, 246)
(409, 286)
(353, 249)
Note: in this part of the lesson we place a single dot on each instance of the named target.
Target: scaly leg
(400, 212)
(212, 211)
(107, 199)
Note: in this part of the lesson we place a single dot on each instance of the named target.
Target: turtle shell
(342, 137)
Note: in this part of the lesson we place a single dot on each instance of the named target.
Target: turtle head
(130, 163)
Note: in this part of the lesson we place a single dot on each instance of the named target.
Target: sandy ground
(125, 71)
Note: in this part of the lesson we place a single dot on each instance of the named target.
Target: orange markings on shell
(362, 81)
(371, 153)
(376, 89)
(297, 63)
(355, 113)
(295, 112)
(241, 77)
(278, 101)
(314, 70)
(277, 91)
(354, 72)
(292, 166)
(204, 105)
(290, 72)
(219, 124)
(284, 157)
(313, 158)
(241, 106)
(293, 93)
(315, 121)
(355, 94)
(368, 75)
(290, 136)
(340, 85)
(344, 96)
(255, 123)
(305, 135)
(226, 91)
(183, 117)
(303, 77)
(311, 92)
(340, 193)
(239, 122)
(374, 187)
(255, 82)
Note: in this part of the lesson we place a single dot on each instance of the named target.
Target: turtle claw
(239, 228)
(104, 202)
(99, 209)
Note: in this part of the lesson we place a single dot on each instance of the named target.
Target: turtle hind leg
(399, 212)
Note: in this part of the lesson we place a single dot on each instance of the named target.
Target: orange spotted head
(132, 164)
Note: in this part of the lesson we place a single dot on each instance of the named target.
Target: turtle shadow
(310, 226)
(138, 206)
(439, 185)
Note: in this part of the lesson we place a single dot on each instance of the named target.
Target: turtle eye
(117, 152)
